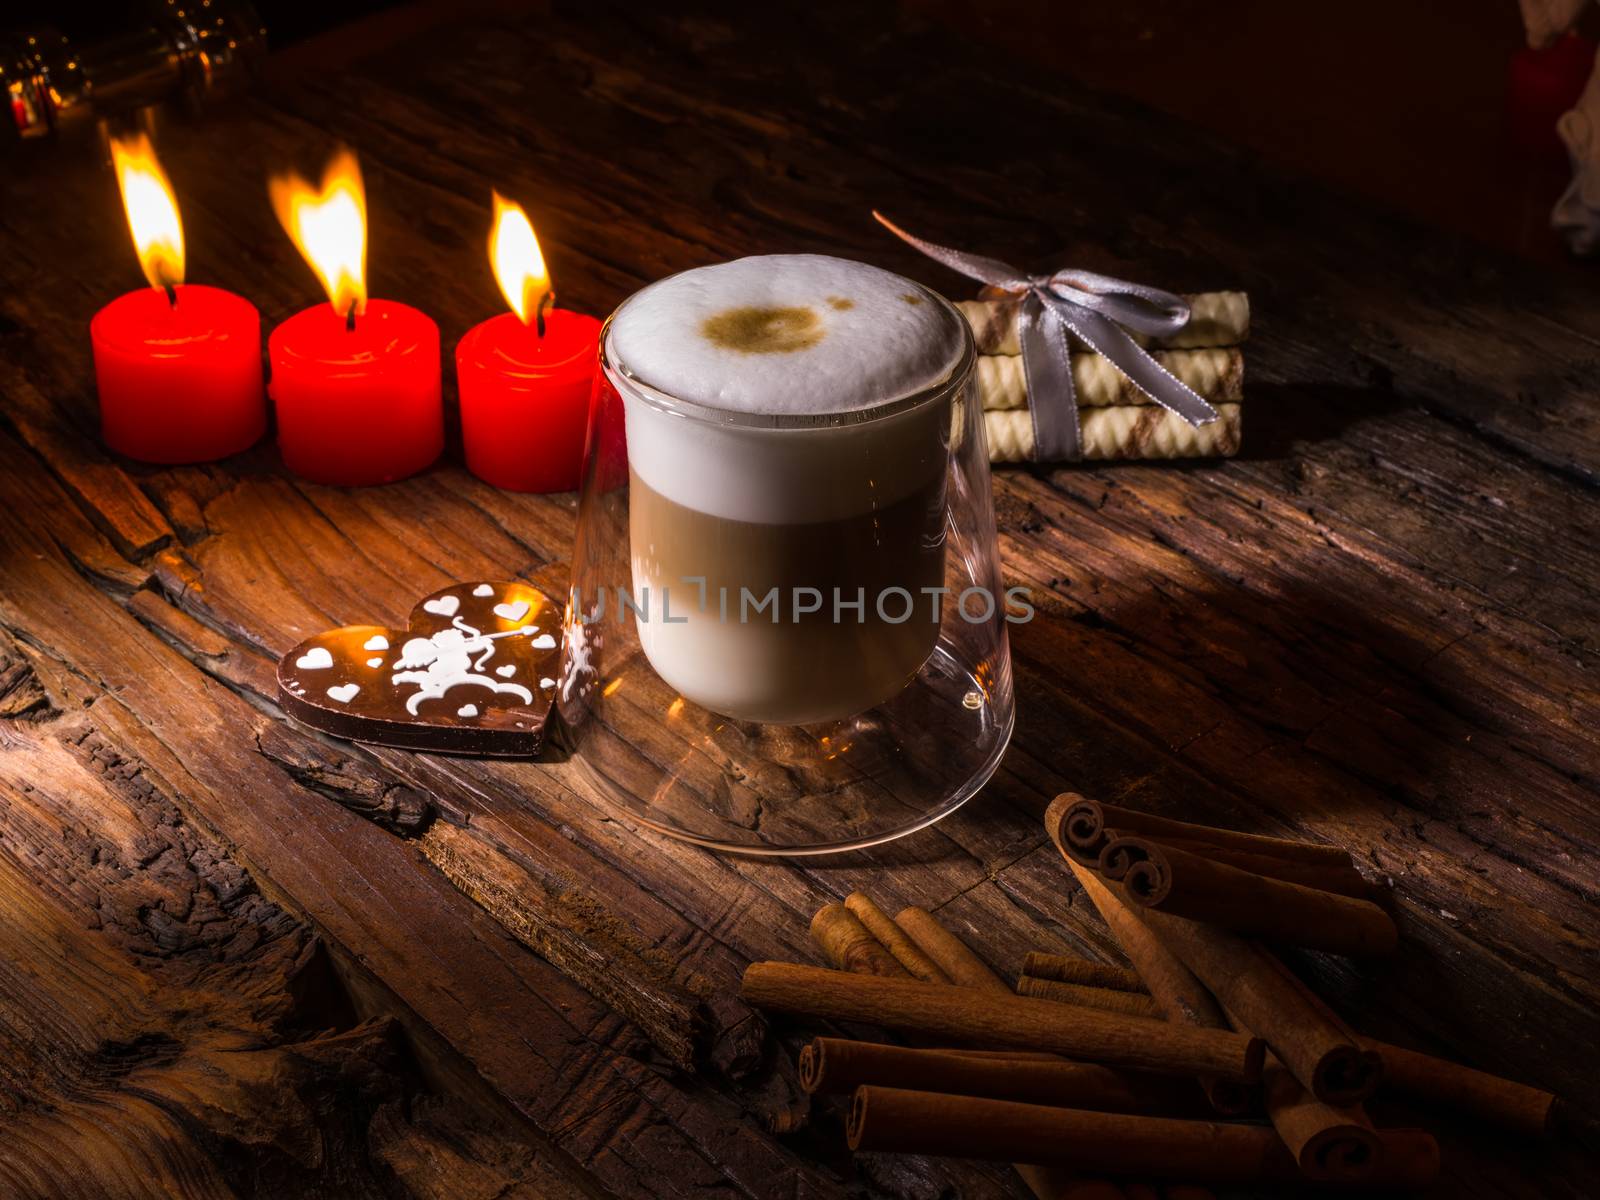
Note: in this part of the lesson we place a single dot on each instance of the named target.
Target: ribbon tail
(973, 266)
(1047, 367)
(1102, 334)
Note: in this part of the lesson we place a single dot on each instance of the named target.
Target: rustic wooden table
(240, 960)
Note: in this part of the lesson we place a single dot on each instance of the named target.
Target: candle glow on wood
(177, 367)
(355, 381)
(525, 376)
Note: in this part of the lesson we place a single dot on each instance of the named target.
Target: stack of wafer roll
(1117, 420)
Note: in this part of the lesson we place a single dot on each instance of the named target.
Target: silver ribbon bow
(1099, 310)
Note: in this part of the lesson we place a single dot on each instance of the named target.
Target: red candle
(357, 404)
(177, 366)
(179, 382)
(355, 382)
(525, 376)
(525, 399)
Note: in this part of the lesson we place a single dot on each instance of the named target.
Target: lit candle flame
(152, 210)
(328, 225)
(517, 260)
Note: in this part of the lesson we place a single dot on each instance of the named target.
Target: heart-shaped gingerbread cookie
(474, 673)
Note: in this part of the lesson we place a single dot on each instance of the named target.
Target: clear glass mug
(810, 656)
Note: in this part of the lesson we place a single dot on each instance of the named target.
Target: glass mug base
(780, 791)
(765, 731)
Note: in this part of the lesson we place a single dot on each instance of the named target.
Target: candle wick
(350, 318)
(172, 294)
(538, 312)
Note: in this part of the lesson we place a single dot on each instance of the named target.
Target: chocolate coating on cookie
(474, 672)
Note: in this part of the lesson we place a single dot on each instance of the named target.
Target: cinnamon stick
(1185, 884)
(837, 1066)
(953, 956)
(1182, 998)
(1490, 1098)
(906, 952)
(1047, 1184)
(1036, 1055)
(850, 946)
(997, 1019)
(1083, 826)
(913, 1122)
(1135, 1004)
(1067, 969)
(1179, 994)
(1501, 1102)
(1318, 1052)
(1328, 877)
(1328, 1143)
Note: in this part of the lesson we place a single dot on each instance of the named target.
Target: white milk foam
(872, 343)
(785, 336)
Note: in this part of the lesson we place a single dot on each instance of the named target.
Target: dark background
(1408, 104)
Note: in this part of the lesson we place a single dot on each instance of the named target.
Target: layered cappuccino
(788, 423)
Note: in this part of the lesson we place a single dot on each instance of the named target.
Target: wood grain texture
(170, 1031)
(1375, 628)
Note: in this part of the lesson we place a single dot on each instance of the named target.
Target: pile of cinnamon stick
(1207, 1062)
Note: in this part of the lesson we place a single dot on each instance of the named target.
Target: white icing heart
(315, 659)
(376, 642)
(544, 642)
(547, 682)
(444, 606)
(467, 710)
(513, 611)
(507, 671)
(344, 693)
(375, 662)
(483, 589)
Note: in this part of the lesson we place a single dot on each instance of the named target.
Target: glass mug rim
(940, 389)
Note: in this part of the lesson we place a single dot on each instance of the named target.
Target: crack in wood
(345, 780)
(197, 1044)
(22, 696)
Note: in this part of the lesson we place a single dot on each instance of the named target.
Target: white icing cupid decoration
(444, 661)
(376, 642)
(515, 610)
(344, 693)
(315, 659)
(444, 606)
